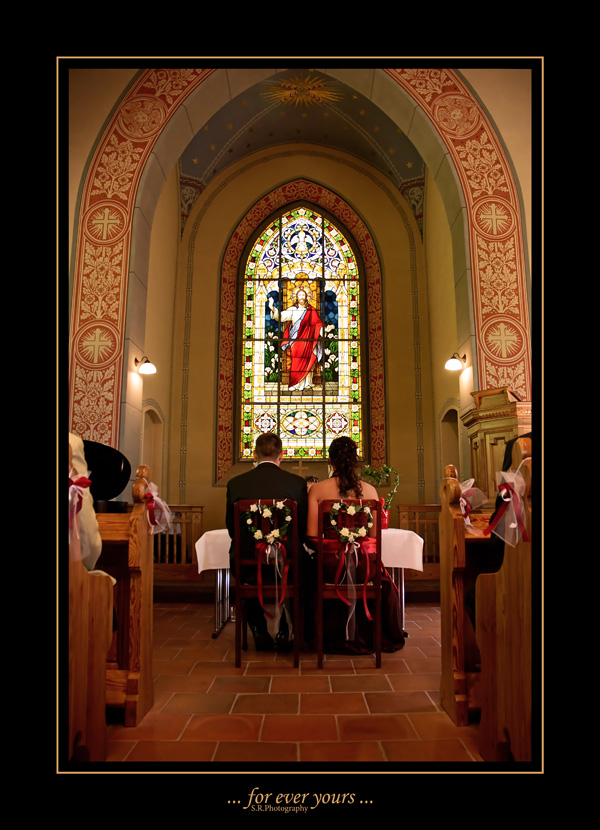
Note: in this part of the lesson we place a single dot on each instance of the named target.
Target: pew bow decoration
(470, 499)
(348, 555)
(509, 520)
(159, 514)
(78, 490)
(269, 549)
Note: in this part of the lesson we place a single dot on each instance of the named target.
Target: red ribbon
(261, 549)
(150, 499)
(516, 502)
(79, 482)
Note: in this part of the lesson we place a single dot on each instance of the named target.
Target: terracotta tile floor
(267, 712)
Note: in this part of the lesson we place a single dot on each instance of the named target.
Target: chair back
(266, 532)
(263, 522)
(351, 515)
(349, 561)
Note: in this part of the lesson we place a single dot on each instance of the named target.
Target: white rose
(258, 534)
(248, 521)
(266, 513)
(362, 531)
(336, 506)
(275, 534)
(280, 505)
(333, 522)
(253, 508)
(351, 510)
(344, 532)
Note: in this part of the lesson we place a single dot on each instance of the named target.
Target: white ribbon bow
(76, 495)
(470, 499)
(162, 513)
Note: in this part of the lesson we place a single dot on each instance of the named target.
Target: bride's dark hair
(344, 458)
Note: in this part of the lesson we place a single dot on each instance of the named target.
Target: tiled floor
(206, 711)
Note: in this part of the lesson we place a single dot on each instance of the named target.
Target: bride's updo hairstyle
(344, 459)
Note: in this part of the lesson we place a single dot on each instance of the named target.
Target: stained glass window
(301, 349)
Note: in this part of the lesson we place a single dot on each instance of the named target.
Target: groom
(267, 481)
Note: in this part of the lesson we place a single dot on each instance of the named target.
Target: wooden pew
(459, 551)
(127, 556)
(90, 635)
(503, 622)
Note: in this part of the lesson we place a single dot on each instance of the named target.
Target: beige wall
(192, 449)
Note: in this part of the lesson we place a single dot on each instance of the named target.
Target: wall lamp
(456, 362)
(145, 367)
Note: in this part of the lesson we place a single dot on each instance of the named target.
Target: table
(212, 552)
(400, 549)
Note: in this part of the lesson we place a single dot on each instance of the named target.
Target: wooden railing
(423, 519)
(175, 558)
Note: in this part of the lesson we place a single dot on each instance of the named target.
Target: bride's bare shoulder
(369, 491)
(321, 490)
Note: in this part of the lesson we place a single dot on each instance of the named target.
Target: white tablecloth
(400, 549)
(212, 550)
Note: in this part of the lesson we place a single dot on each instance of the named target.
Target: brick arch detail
(105, 227)
(320, 196)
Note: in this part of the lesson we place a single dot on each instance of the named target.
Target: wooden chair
(247, 557)
(340, 590)
(504, 636)
(90, 634)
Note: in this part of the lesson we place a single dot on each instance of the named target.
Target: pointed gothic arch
(299, 190)
(152, 124)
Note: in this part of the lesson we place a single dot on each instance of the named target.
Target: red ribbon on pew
(81, 483)
(507, 489)
(261, 549)
(150, 499)
(77, 486)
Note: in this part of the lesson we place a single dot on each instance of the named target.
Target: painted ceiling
(301, 105)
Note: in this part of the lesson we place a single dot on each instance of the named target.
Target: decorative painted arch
(299, 190)
(119, 188)
(498, 274)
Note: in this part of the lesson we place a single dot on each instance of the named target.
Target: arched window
(301, 336)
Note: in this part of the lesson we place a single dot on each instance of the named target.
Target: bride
(345, 483)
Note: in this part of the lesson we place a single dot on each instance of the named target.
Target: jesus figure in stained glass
(303, 337)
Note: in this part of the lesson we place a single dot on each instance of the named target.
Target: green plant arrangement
(380, 478)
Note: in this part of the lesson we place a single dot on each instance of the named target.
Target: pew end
(504, 634)
(459, 548)
(90, 634)
(127, 556)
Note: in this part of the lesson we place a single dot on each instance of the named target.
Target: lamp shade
(456, 363)
(145, 367)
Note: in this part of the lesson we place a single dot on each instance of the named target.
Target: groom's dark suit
(267, 481)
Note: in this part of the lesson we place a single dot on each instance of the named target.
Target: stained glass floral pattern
(301, 350)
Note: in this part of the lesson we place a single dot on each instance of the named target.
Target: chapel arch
(149, 129)
(300, 191)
